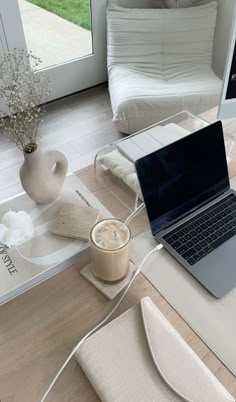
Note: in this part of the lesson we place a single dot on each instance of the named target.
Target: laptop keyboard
(199, 236)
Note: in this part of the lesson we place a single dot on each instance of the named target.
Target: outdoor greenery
(76, 11)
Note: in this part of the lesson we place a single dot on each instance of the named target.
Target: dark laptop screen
(180, 176)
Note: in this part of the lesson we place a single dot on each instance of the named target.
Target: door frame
(74, 75)
(11, 38)
(86, 71)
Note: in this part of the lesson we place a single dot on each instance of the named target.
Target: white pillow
(178, 3)
(160, 38)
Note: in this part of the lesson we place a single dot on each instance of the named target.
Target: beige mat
(214, 320)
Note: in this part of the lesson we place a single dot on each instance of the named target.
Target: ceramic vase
(42, 175)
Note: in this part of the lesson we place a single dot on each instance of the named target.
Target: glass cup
(110, 250)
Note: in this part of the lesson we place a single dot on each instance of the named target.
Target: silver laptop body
(169, 177)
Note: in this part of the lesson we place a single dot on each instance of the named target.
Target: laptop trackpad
(217, 271)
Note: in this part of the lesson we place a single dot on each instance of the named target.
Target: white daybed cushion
(159, 63)
(142, 99)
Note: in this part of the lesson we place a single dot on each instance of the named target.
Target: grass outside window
(76, 11)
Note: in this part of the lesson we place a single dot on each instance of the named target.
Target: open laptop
(191, 208)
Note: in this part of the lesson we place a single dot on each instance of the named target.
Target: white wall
(222, 32)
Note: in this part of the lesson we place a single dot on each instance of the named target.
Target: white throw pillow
(178, 3)
(160, 38)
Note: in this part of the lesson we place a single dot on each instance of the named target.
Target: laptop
(191, 208)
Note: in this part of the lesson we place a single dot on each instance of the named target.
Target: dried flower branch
(24, 93)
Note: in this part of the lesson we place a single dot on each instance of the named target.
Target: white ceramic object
(42, 175)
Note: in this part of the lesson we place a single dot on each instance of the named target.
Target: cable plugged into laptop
(74, 350)
(191, 207)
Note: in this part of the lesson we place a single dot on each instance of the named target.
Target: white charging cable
(158, 247)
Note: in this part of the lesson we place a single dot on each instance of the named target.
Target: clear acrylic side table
(115, 183)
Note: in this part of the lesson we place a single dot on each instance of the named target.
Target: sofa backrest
(166, 40)
(222, 31)
(132, 3)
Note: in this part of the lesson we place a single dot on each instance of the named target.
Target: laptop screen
(177, 178)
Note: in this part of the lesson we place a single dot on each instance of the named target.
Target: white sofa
(155, 73)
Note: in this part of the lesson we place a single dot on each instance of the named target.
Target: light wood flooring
(78, 125)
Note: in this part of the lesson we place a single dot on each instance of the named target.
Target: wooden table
(39, 328)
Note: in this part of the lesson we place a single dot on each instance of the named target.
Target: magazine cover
(45, 254)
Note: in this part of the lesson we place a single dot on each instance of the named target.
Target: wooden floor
(77, 125)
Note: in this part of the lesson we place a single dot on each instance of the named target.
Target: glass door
(67, 35)
(11, 31)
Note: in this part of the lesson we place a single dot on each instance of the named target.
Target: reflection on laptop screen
(180, 176)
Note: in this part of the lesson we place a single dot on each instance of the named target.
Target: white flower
(22, 90)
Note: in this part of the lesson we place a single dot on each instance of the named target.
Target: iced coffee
(110, 250)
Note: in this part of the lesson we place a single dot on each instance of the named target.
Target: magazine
(45, 254)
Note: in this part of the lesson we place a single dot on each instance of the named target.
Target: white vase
(42, 175)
